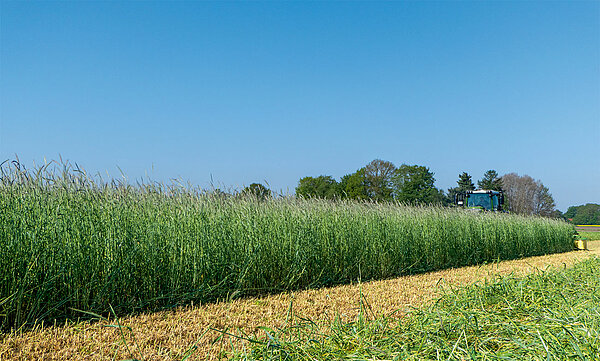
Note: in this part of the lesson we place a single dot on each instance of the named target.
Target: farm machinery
(481, 200)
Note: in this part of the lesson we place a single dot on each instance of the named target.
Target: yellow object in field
(581, 244)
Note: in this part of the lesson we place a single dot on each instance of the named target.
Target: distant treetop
(584, 214)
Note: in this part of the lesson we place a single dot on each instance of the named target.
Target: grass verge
(590, 236)
(552, 315)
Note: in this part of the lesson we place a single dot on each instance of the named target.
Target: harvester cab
(481, 199)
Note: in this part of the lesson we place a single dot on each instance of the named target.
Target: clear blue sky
(248, 92)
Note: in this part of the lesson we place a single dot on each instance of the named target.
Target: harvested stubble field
(551, 314)
(170, 335)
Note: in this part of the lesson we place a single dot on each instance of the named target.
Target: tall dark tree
(257, 190)
(543, 203)
(318, 187)
(415, 184)
(464, 182)
(490, 181)
(379, 174)
(354, 185)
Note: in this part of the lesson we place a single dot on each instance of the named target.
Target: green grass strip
(590, 236)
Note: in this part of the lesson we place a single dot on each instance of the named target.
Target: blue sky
(267, 91)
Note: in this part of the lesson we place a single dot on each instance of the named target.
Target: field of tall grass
(71, 242)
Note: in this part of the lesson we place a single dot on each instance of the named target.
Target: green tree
(257, 190)
(318, 187)
(584, 214)
(464, 182)
(490, 181)
(415, 184)
(354, 185)
(543, 202)
(557, 214)
(379, 174)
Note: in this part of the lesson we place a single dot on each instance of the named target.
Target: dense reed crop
(70, 243)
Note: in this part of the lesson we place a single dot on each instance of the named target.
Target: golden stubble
(168, 335)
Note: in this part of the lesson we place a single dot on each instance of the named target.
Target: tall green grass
(69, 242)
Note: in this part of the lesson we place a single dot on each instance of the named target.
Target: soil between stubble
(167, 335)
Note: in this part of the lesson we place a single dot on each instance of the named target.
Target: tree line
(584, 214)
(382, 181)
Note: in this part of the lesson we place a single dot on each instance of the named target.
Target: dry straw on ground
(170, 334)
